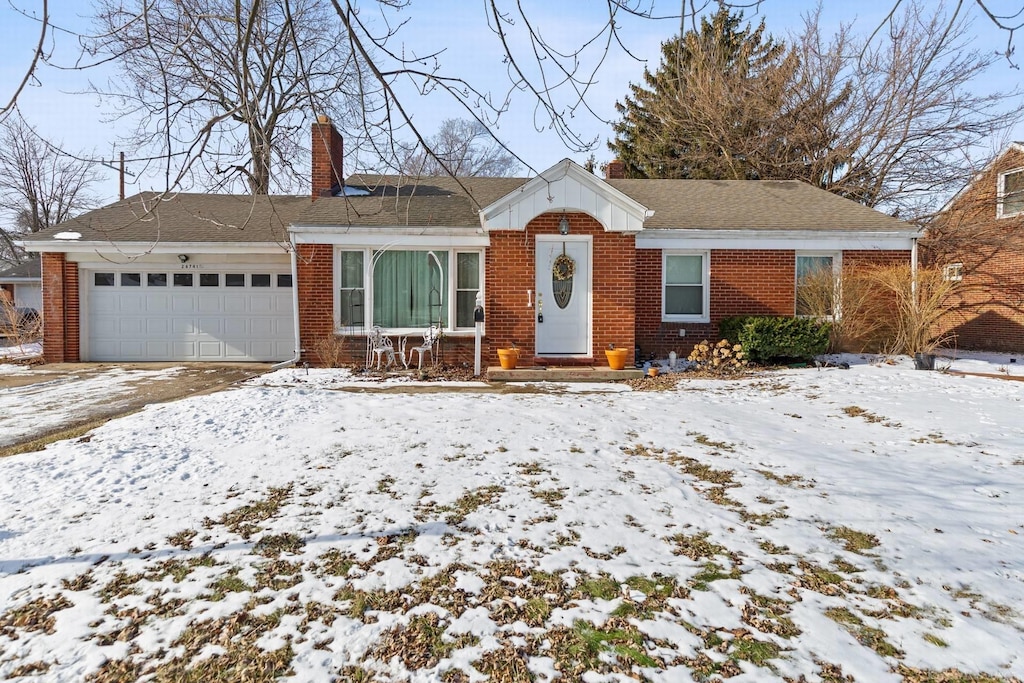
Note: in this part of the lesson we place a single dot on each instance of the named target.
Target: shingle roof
(186, 218)
(447, 202)
(29, 270)
(402, 201)
(751, 205)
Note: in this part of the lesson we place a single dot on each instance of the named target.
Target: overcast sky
(56, 108)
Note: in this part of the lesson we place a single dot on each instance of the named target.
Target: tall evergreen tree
(722, 105)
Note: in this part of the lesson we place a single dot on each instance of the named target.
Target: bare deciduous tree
(459, 148)
(39, 185)
(229, 85)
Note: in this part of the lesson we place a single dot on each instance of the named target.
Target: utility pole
(121, 173)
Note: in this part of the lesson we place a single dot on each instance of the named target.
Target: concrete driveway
(37, 402)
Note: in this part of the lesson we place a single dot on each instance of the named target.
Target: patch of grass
(421, 643)
(29, 669)
(36, 615)
(550, 496)
(121, 585)
(229, 583)
(334, 562)
(278, 575)
(854, 541)
(794, 480)
(857, 411)
(757, 652)
(769, 615)
(471, 501)
(703, 440)
(272, 545)
(244, 520)
(79, 583)
(601, 587)
(935, 640)
(40, 443)
(361, 602)
(582, 648)
(183, 539)
(507, 665)
(712, 572)
(868, 636)
(912, 675)
(818, 579)
(696, 546)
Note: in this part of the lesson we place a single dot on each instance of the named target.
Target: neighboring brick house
(978, 239)
(567, 263)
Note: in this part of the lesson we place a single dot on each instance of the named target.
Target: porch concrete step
(561, 374)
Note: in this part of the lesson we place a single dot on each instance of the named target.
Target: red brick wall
(6, 293)
(988, 304)
(60, 309)
(743, 282)
(510, 268)
(316, 296)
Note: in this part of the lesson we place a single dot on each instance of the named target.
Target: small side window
(284, 280)
(156, 279)
(234, 280)
(953, 272)
(261, 280)
(103, 279)
(209, 279)
(183, 279)
(131, 279)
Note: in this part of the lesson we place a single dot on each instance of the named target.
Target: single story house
(565, 264)
(978, 241)
(21, 285)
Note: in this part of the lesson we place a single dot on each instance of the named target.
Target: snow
(19, 352)
(762, 479)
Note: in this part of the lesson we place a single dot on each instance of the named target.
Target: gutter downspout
(913, 268)
(295, 309)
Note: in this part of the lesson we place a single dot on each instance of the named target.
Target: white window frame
(953, 272)
(368, 293)
(1002, 194)
(837, 270)
(704, 317)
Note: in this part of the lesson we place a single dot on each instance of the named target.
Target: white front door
(563, 299)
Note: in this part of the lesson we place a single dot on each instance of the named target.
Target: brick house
(567, 263)
(978, 240)
(20, 285)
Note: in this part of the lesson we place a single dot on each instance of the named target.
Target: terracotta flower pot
(616, 358)
(508, 358)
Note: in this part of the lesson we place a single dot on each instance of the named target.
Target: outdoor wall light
(563, 226)
(183, 258)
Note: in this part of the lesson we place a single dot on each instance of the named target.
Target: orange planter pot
(616, 358)
(508, 358)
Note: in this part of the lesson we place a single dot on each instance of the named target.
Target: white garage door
(214, 314)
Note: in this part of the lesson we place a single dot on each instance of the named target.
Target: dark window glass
(183, 279)
(284, 280)
(234, 280)
(131, 279)
(209, 279)
(260, 280)
(156, 279)
(103, 279)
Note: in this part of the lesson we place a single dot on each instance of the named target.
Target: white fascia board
(161, 247)
(566, 186)
(788, 239)
(19, 280)
(390, 236)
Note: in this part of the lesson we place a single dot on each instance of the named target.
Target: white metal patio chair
(378, 347)
(430, 339)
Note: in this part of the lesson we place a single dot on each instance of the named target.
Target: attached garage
(208, 312)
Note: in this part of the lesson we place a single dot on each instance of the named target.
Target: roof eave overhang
(161, 247)
(566, 186)
(390, 236)
(778, 239)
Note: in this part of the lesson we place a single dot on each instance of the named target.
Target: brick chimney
(328, 149)
(615, 170)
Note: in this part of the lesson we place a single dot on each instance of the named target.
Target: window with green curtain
(467, 284)
(352, 290)
(808, 267)
(684, 284)
(410, 288)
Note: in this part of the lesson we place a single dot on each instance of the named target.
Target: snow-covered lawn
(801, 525)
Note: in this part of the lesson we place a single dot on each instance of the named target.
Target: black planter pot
(924, 361)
